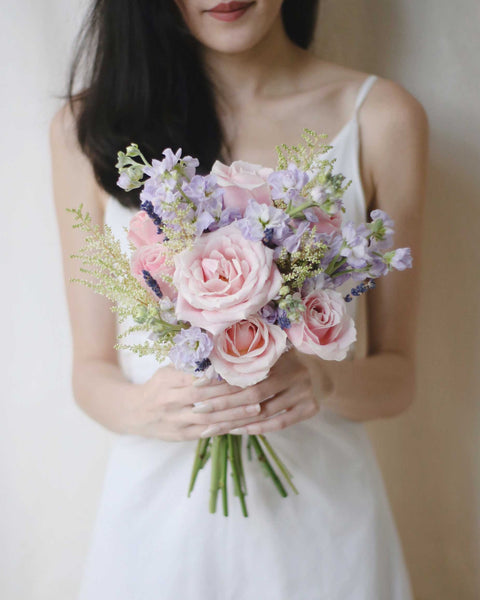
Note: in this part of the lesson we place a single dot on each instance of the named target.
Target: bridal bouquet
(229, 270)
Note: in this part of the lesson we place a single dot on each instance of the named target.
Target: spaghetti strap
(364, 89)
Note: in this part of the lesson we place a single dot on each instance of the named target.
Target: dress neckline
(341, 132)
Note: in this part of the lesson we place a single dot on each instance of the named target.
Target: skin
(268, 90)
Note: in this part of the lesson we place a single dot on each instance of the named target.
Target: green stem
(280, 464)
(198, 462)
(241, 473)
(298, 210)
(215, 474)
(268, 467)
(223, 472)
(233, 451)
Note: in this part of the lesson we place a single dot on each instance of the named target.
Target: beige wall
(52, 457)
(431, 456)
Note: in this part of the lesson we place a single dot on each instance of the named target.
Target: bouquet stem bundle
(224, 449)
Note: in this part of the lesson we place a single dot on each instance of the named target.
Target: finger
(225, 417)
(286, 418)
(251, 395)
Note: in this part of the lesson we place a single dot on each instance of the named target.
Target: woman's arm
(99, 387)
(394, 137)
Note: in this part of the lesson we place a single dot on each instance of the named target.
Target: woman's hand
(174, 406)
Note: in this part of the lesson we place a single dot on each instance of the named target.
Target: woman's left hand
(286, 397)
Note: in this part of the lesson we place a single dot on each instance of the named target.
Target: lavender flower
(381, 229)
(355, 243)
(192, 347)
(292, 242)
(124, 181)
(288, 184)
(269, 314)
(207, 196)
(263, 221)
(400, 259)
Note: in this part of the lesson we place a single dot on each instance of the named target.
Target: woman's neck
(266, 69)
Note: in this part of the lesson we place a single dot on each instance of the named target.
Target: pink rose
(326, 329)
(153, 258)
(241, 181)
(142, 231)
(244, 353)
(224, 278)
(327, 223)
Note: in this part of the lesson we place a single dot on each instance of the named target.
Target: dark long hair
(144, 81)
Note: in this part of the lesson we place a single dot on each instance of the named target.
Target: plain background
(52, 457)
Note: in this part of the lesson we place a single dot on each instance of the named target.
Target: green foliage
(107, 272)
(307, 156)
(298, 266)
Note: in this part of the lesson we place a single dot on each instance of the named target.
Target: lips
(226, 7)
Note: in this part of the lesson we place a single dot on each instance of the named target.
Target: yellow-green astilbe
(107, 272)
(306, 156)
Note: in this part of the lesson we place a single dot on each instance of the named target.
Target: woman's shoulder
(69, 162)
(392, 99)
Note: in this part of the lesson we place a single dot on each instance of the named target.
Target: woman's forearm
(377, 386)
(103, 393)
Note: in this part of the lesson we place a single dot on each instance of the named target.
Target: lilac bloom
(124, 181)
(381, 228)
(292, 242)
(259, 218)
(333, 242)
(354, 247)
(269, 314)
(401, 259)
(171, 159)
(377, 267)
(192, 348)
(288, 184)
(207, 196)
(229, 215)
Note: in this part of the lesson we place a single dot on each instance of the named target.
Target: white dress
(336, 540)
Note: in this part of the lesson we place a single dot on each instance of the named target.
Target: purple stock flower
(259, 218)
(207, 196)
(381, 228)
(401, 259)
(229, 215)
(124, 181)
(354, 247)
(292, 242)
(192, 347)
(288, 184)
(269, 314)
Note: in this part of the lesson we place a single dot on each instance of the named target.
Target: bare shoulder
(393, 124)
(73, 174)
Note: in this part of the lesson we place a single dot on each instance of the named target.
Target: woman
(231, 81)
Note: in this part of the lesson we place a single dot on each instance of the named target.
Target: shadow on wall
(429, 456)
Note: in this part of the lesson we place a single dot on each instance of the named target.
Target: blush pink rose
(244, 353)
(142, 231)
(153, 258)
(242, 181)
(326, 329)
(224, 278)
(327, 223)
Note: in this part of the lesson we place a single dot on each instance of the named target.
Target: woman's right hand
(176, 406)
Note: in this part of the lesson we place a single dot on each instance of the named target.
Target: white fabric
(336, 540)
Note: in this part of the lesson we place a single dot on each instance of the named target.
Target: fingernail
(200, 381)
(202, 407)
(238, 431)
(210, 431)
(253, 409)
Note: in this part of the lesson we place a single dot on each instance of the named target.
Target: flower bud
(140, 314)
